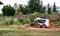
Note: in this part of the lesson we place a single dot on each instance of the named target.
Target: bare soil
(29, 27)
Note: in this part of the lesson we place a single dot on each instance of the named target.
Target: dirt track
(28, 27)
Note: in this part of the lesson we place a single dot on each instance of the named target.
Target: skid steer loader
(42, 22)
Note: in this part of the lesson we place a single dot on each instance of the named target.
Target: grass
(16, 32)
(13, 31)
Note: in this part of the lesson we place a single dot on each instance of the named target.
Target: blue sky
(24, 2)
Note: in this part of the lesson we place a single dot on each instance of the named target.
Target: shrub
(24, 20)
(16, 21)
(1, 21)
(20, 20)
(35, 23)
(35, 14)
(55, 21)
(1, 14)
(9, 21)
(58, 24)
(8, 10)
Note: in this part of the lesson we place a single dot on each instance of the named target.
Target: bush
(9, 21)
(16, 21)
(1, 22)
(20, 20)
(58, 24)
(1, 14)
(24, 21)
(55, 21)
(35, 14)
(35, 23)
(8, 10)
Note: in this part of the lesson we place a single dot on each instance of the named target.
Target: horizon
(24, 2)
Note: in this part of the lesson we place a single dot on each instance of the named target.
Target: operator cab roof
(40, 18)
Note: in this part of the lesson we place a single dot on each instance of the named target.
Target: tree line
(31, 7)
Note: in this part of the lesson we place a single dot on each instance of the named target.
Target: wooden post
(18, 13)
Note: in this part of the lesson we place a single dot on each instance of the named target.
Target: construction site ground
(28, 27)
(27, 30)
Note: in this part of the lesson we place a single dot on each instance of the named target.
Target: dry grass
(28, 31)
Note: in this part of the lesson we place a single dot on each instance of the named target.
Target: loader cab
(42, 22)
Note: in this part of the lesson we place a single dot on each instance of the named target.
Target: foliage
(26, 10)
(16, 21)
(54, 7)
(35, 14)
(20, 20)
(9, 21)
(1, 14)
(54, 13)
(49, 10)
(35, 23)
(1, 21)
(8, 10)
(42, 9)
(55, 21)
(21, 7)
(35, 6)
(24, 20)
(21, 14)
(58, 24)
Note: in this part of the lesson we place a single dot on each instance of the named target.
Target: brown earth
(29, 27)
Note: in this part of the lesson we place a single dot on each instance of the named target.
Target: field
(13, 31)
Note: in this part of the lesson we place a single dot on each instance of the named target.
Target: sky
(24, 2)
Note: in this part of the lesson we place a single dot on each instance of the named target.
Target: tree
(8, 10)
(54, 7)
(35, 6)
(49, 9)
(21, 7)
(26, 10)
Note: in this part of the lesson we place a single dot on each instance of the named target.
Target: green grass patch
(29, 33)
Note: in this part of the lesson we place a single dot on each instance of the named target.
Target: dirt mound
(29, 27)
(25, 26)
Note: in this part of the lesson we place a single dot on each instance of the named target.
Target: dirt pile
(29, 27)
(25, 26)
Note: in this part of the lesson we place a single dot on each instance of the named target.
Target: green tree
(21, 8)
(8, 10)
(49, 9)
(54, 7)
(35, 6)
(26, 10)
